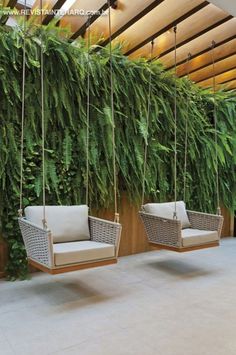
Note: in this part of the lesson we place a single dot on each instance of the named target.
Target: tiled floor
(158, 303)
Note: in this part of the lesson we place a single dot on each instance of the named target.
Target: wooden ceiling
(136, 23)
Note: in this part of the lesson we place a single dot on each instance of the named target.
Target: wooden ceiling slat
(11, 3)
(77, 24)
(174, 22)
(47, 5)
(57, 6)
(207, 50)
(132, 20)
(230, 86)
(220, 79)
(189, 29)
(221, 35)
(221, 52)
(124, 16)
(211, 27)
(220, 67)
(92, 19)
(228, 81)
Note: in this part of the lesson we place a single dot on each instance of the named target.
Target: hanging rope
(42, 116)
(117, 217)
(88, 114)
(186, 132)
(175, 129)
(148, 121)
(20, 211)
(215, 127)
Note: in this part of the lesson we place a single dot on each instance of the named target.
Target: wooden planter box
(3, 257)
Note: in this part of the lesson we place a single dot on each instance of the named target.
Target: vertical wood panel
(3, 257)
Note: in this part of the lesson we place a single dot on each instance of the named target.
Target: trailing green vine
(65, 119)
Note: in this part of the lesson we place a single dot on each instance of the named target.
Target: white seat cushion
(67, 223)
(166, 210)
(78, 252)
(192, 237)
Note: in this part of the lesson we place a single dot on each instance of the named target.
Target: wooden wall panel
(228, 226)
(3, 257)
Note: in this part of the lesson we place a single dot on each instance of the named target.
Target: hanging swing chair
(61, 239)
(169, 225)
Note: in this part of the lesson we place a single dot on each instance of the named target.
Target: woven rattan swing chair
(169, 225)
(60, 239)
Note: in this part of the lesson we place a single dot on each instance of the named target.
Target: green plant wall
(65, 118)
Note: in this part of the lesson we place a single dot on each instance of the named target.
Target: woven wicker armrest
(38, 242)
(205, 221)
(162, 230)
(105, 231)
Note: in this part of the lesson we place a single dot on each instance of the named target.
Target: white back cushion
(67, 223)
(166, 210)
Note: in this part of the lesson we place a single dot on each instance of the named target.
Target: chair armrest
(205, 221)
(38, 242)
(104, 231)
(160, 230)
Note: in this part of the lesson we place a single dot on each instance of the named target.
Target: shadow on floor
(180, 268)
(68, 294)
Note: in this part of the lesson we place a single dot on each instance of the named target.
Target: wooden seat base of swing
(70, 268)
(185, 249)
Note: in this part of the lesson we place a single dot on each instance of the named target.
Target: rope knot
(117, 218)
(175, 215)
(44, 223)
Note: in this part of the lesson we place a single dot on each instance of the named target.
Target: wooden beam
(56, 6)
(168, 27)
(207, 29)
(221, 67)
(208, 49)
(92, 19)
(49, 5)
(200, 62)
(231, 86)
(193, 27)
(228, 81)
(211, 76)
(132, 20)
(228, 85)
(11, 4)
(21, 6)
(220, 79)
(202, 45)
